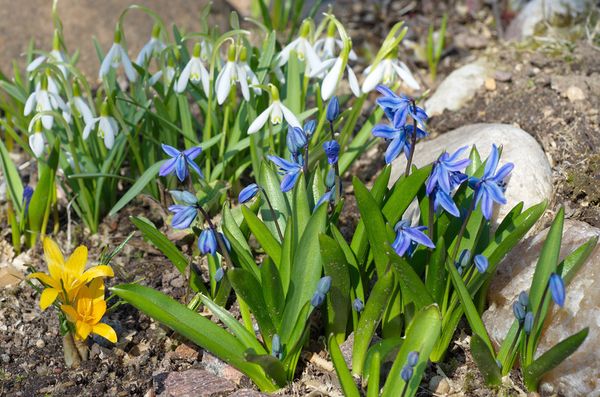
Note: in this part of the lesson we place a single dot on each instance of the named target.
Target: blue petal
(170, 150)
(248, 193)
(288, 181)
(487, 205)
(503, 172)
(184, 218)
(401, 243)
(400, 117)
(481, 262)
(394, 149)
(181, 169)
(324, 198)
(167, 167)
(491, 163)
(442, 198)
(195, 167)
(495, 192)
(384, 90)
(419, 237)
(283, 164)
(385, 131)
(192, 153)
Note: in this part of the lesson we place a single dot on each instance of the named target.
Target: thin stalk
(463, 227)
(272, 210)
(404, 389)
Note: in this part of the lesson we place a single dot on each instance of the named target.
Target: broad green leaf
(301, 211)
(272, 290)
(270, 183)
(345, 377)
(403, 193)
(39, 206)
(485, 361)
(148, 176)
(13, 179)
(435, 280)
(263, 235)
(292, 83)
(272, 366)
(410, 283)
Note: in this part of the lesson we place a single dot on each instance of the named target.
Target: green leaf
(411, 285)
(272, 290)
(44, 192)
(148, 176)
(403, 193)
(421, 335)
(272, 366)
(344, 376)
(292, 86)
(435, 280)
(370, 318)
(263, 235)
(336, 266)
(485, 361)
(194, 327)
(12, 177)
(301, 212)
(269, 181)
(552, 358)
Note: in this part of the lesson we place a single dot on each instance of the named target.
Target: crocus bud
(528, 322)
(413, 358)
(407, 373)
(333, 109)
(248, 193)
(518, 311)
(481, 262)
(332, 150)
(358, 305)
(557, 289)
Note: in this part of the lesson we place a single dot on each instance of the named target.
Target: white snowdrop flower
(115, 56)
(195, 72)
(55, 56)
(107, 127)
(168, 74)
(304, 51)
(81, 106)
(37, 142)
(327, 46)
(336, 67)
(276, 111)
(154, 45)
(385, 72)
(43, 100)
(235, 71)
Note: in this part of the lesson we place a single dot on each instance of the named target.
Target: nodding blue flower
(290, 169)
(528, 322)
(207, 242)
(400, 139)
(185, 213)
(276, 350)
(27, 194)
(408, 237)
(557, 289)
(413, 358)
(180, 161)
(444, 171)
(463, 260)
(248, 193)
(519, 311)
(406, 373)
(309, 127)
(322, 290)
(332, 150)
(358, 305)
(523, 299)
(325, 198)
(219, 274)
(481, 262)
(489, 188)
(296, 140)
(333, 109)
(398, 107)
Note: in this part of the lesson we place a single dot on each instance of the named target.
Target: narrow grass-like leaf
(343, 373)
(485, 361)
(435, 280)
(272, 366)
(144, 179)
(12, 178)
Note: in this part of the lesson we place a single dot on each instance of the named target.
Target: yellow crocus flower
(66, 277)
(87, 311)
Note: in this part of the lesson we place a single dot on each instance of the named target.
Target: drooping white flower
(235, 71)
(55, 56)
(336, 67)
(304, 51)
(168, 74)
(154, 45)
(81, 106)
(326, 46)
(36, 140)
(385, 72)
(116, 56)
(195, 72)
(44, 100)
(107, 127)
(276, 111)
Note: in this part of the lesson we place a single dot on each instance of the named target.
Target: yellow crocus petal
(76, 262)
(105, 331)
(98, 310)
(82, 330)
(97, 271)
(70, 312)
(46, 279)
(96, 288)
(54, 258)
(48, 297)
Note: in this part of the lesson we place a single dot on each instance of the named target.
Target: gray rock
(537, 11)
(191, 383)
(531, 179)
(458, 88)
(577, 375)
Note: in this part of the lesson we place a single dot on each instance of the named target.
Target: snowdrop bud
(243, 54)
(76, 91)
(331, 29)
(274, 92)
(117, 38)
(104, 109)
(231, 53)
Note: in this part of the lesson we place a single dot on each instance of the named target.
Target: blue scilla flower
(557, 289)
(444, 171)
(523, 298)
(325, 198)
(290, 169)
(490, 187)
(463, 261)
(186, 211)
(358, 305)
(413, 358)
(518, 311)
(408, 237)
(309, 127)
(481, 263)
(332, 150)
(296, 139)
(399, 137)
(207, 242)
(248, 193)
(322, 290)
(398, 107)
(27, 195)
(406, 373)
(180, 161)
(219, 274)
(333, 109)
(528, 322)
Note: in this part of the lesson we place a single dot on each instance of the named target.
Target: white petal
(113, 125)
(324, 66)
(45, 106)
(289, 116)
(312, 58)
(35, 63)
(353, 81)
(331, 80)
(205, 79)
(279, 74)
(83, 109)
(88, 128)
(36, 143)
(406, 75)
(243, 80)
(276, 115)
(145, 52)
(129, 69)
(30, 103)
(284, 55)
(52, 86)
(107, 61)
(253, 79)
(318, 46)
(373, 78)
(329, 47)
(155, 77)
(260, 121)
(223, 83)
(183, 78)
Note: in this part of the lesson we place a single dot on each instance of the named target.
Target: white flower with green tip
(304, 50)
(235, 71)
(195, 72)
(386, 72)
(107, 127)
(55, 56)
(117, 56)
(154, 45)
(37, 142)
(327, 46)
(276, 112)
(44, 100)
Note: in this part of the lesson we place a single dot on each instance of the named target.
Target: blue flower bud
(296, 140)
(524, 299)
(207, 243)
(27, 195)
(481, 262)
(358, 305)
(248, 193)
(407, 373)
(324, 285)
(276, 347)
(330, 178)
(309, 127)
(225, 241)
(333, 109)
(528, 322)
(332, 150)
(518, 311)
(219, 274)
(557, 289)
(317, 299)
(413, 358)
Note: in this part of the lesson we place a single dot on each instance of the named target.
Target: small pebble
(439, 385)
(575, 93)
(490, 84)
(503, 76)
(40, 344)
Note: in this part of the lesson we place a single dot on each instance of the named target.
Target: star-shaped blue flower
(290, 169)
(398, 107)
(408, 237)
(185, 213)
(399, 137)
(180, 161)
(444, 171)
